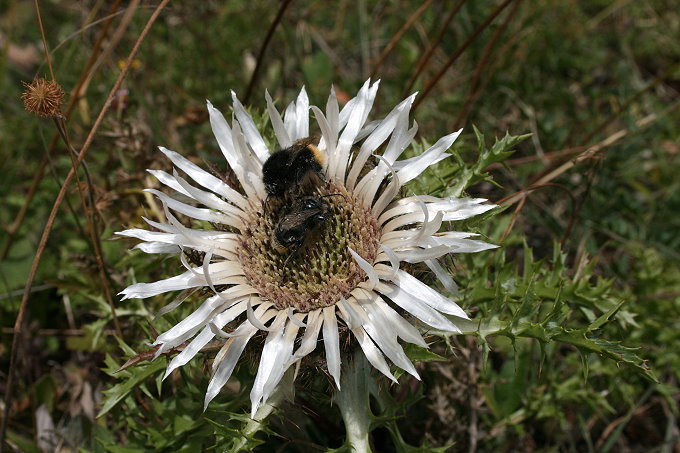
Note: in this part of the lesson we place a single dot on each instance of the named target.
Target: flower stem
(284, 391)
(354, 404)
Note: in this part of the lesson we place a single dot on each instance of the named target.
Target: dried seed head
(43, 97)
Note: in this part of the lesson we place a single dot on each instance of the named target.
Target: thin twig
(107, 19)
(525, 193)
(473, 94)
(42, 33)
(546, 157)
(263, 49)
(19, 292)
(576, 208)
(89, 219)
(395, 39)
(658, 79)
(594, 163)
(459, 52)
(589, 152)
(422, 62)
(116, 36)
(13, 229)
(18, 325)
(69, 207)
(513, 219)
(91, 223)
(58, 332)
(498, 62)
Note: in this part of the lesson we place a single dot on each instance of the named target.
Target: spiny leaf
(418, 354)
(135, 377)
(467, 175)
(611, 349)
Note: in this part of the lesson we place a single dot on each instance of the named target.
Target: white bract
(244, 297)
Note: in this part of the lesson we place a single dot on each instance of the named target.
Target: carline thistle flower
(347, 277)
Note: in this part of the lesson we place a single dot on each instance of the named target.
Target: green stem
(354, 404)
(284, 391)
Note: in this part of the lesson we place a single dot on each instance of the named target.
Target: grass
(594, 81)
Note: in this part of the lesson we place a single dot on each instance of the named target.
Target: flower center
(321, 270)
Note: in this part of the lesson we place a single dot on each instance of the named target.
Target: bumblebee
(305, 215)
(293, 167)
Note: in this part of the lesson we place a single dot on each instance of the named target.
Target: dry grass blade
(657, 80)
(13, 229)
(395, 39)
(473, 90)
(263, 49)
(92, 232)
(422, 62)
(588, 153)
(452, 59)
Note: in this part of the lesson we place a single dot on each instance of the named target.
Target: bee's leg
(309, 182)
(334, 195)
(293, 253)
(266, 203)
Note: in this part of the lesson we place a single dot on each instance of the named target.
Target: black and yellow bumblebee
(293, 168)
(291, 176)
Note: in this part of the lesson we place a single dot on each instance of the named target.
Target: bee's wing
(297, 218)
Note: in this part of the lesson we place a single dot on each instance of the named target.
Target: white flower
(348, 279)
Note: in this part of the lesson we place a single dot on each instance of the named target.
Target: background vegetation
(589, 263)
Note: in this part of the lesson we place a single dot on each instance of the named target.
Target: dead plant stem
(397, 36)
(18, 325)
(263, 49)
(40, 171)
(422, 62)
(452, 59)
